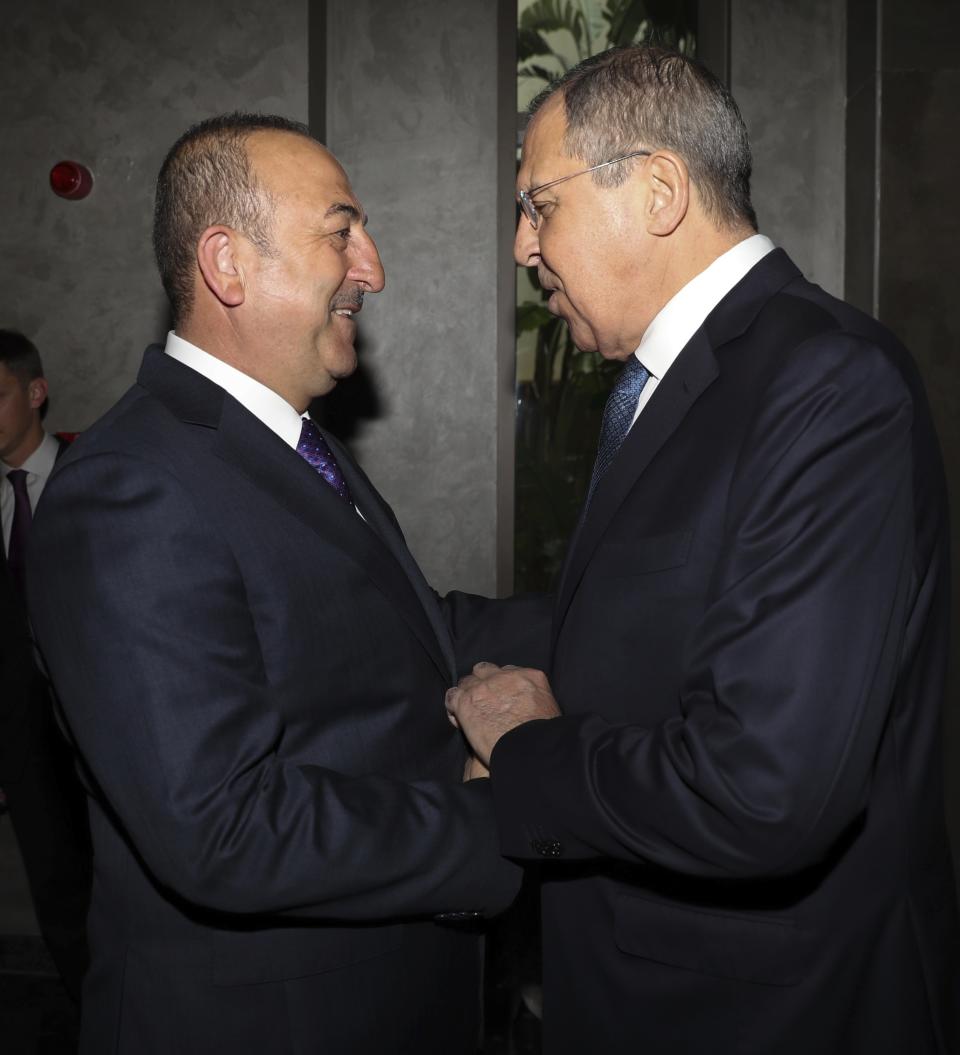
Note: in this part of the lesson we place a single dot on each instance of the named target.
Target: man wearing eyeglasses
(731, 769)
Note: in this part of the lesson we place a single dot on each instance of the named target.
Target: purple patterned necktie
(22, 518)
(315, 450)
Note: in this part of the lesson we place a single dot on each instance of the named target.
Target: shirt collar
(273, 410)
(40, 463)
(680, 318)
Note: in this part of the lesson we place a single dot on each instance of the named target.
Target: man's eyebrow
(344, 208)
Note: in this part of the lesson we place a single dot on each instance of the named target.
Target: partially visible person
(740, 809)
(251, 662)
(42, 794)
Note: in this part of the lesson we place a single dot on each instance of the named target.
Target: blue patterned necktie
(22, 518)
(315, 450)
(618, 417)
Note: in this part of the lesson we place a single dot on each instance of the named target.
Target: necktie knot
(18, 481)
(618, 417)
(315, 450)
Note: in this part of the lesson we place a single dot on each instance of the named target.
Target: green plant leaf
(529, 43)
(531, 316)
(625, 18)
(539, 72)
(544, 15)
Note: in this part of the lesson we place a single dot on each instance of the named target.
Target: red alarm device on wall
(71, 180)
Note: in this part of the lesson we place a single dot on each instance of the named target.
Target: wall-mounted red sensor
(71, 180)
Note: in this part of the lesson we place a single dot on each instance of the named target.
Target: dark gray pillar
(787, 75)
(904, 227)
(414, 113)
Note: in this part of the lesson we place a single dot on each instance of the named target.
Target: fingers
(484, 669)
(450, 702)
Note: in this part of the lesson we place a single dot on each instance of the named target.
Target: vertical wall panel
(918, 233)
(412, 114)
(788, 76)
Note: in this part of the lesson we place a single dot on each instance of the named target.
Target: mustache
(351, 299)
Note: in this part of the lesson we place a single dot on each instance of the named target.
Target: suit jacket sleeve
(789, 674)
(141, 612)
(499, 630)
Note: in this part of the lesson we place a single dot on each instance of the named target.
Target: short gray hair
(641, 96)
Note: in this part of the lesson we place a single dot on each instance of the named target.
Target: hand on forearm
(493, 700)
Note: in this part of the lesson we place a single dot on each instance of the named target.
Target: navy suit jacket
(24, 695)
(743, 798)
(254, 677)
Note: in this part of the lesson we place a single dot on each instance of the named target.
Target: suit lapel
(380, 517)
(247, 445)
(693, 371)
(691, 374)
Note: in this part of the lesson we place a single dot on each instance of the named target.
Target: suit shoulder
(137, 424)
(838, 317)
(804, 330)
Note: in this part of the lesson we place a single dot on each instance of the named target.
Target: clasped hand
(493, 700)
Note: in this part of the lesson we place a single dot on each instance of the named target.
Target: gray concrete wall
(412, 114)
(788, 74)
(112, 84)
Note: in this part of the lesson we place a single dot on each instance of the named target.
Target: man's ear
(220, 258)
(669, 192)
(37, 392)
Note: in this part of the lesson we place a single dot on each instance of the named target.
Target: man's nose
(526, 243)
(367, 269)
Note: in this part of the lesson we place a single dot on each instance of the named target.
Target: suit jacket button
(547, 847)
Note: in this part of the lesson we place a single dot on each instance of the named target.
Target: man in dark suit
(250, 662)
(741, 800)
(41, 792)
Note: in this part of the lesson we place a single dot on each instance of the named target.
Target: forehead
(7, 376)
(298, 171)
(542, 157)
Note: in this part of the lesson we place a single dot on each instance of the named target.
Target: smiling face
(591, 248)
(301, 297)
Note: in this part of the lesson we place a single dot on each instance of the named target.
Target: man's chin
(582, 337)
(582, 340)
(345, 364)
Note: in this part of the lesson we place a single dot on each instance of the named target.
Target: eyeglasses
(525, 197)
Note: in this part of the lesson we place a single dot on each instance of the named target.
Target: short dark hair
(206, 178)
(644, 96)
(20, 356)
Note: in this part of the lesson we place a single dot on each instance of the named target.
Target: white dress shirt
(680, 318)
(262, 402)
(38, 468)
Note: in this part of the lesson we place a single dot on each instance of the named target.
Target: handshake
(493, 700)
